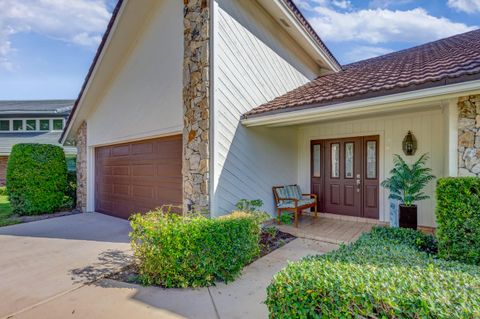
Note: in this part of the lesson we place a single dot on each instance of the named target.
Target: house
(203, 102)
(31, 122)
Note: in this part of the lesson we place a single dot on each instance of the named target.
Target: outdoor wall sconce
(409, 144)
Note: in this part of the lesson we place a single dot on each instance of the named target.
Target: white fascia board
(373, 104)
(300, 32)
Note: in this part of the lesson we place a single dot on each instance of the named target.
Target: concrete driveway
(52, 269)
(43, 260)
(243, 298)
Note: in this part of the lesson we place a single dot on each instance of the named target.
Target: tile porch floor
(328, 228)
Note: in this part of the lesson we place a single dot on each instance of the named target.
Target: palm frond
(406, 182)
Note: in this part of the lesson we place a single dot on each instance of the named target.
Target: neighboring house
(31, 122)
(203, 102)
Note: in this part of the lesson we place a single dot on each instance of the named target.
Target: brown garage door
(138, 176)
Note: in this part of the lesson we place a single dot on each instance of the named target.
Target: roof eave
(279, 9)
(316, 112)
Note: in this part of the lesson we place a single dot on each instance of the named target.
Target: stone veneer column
(196, 105)
(469, 136)
(81, 141)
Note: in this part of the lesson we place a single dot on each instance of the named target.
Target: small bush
(36, 178)
(382, 275)
(458, 218)
(3, 190)
(193, 251)
(70, 198)
(286, 218)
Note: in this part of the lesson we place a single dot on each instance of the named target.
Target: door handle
(358, 182)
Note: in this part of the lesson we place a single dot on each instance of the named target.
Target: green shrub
(286, 218)
(458, 218)
(3, 190)
(71, 190)
(36, 178)
(193, 251)
(382, 275)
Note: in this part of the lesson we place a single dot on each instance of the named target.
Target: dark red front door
(345, 175)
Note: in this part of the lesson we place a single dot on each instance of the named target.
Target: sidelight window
(372, 159)
(335, 153)
(316, 160)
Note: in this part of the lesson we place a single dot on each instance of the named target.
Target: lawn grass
(6, 212)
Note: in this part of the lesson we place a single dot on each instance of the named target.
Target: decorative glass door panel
(345, 175)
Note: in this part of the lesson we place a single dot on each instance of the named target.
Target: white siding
(428, 128)
(254, 61)
(144, 99)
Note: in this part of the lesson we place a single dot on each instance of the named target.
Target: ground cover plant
(458, 218)
(387, 273)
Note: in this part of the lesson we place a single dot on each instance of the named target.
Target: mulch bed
(269, 241)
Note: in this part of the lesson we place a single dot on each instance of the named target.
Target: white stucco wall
(254, 61)
(144, 98)
(428, 128)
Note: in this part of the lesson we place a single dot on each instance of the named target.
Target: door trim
(378, 137)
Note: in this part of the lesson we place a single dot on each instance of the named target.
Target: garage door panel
(143, 170)
(120, 170)
(146, 192)
(138, 176)
(112, 179)
(142, 148)
(116, 161)
(121, 150)
(165, 170)
(122, 190)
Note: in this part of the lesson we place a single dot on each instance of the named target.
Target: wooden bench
(290, 198)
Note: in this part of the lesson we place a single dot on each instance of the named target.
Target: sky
(47, 46)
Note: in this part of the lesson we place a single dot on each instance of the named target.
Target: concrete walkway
(43, 260)
(242, 298)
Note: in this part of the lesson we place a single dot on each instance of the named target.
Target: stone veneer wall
(196, 105)
(81, 141)
(469, 136)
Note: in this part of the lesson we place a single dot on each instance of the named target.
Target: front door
(344, 175)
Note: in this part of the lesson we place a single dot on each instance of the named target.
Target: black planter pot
(408, 216)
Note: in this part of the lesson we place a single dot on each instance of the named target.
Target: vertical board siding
(144, 98)
(428, 128)
(255, 61)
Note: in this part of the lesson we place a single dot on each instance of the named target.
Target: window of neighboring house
(58, 125)
(18, 125)
(31, 125)
(4, 125)
(44, 125)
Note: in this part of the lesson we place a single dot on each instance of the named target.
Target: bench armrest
(310, 195)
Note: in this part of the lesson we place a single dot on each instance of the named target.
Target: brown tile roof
(298, 14)
(446, 61)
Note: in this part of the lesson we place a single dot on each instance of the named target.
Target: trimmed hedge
(3, 190)
(382, 275)
(36, 178)
(193, 251)
(458, 218)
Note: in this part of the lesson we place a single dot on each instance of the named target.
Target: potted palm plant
(406, 184)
